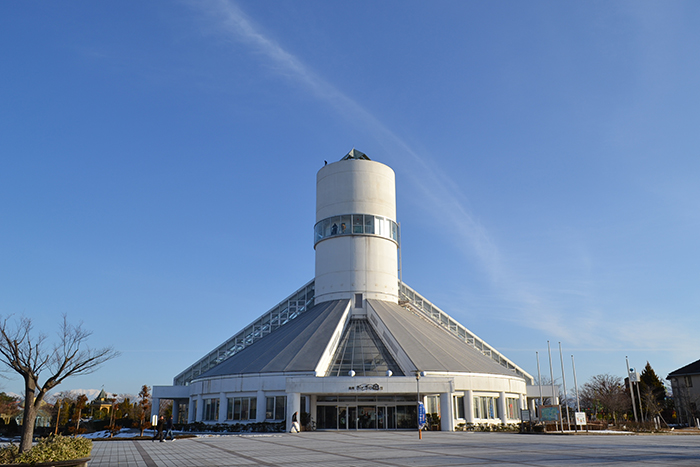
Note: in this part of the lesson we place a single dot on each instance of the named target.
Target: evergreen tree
(653, 392)
(144, 408)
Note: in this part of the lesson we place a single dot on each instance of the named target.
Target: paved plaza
(367, 448)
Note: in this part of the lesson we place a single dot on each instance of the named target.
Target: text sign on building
(366, 387)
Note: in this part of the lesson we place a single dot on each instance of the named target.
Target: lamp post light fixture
(418, 375)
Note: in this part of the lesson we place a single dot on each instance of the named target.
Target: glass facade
(356, 224)
(361, 351)
(513, 408)
(432, 404)
(366, 412)
(458, 407)
(485, 407)
(242, 408)
(275, 407)
(211, 410)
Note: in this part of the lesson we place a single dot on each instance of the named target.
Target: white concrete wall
(268, 385)
(351, 264)
(355, 186)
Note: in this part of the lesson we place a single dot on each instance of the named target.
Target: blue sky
(158, 163)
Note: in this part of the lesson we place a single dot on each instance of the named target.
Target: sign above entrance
(366, 387)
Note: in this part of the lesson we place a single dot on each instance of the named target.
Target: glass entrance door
(352, 418)
(342, 418)
(367, 417)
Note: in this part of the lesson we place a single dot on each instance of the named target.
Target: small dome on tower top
(355, 154)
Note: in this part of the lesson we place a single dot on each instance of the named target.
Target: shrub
(51, 449)
(8, 454)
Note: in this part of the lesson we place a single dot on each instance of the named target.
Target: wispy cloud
(438, 189)
(432, 184)
(443, 197)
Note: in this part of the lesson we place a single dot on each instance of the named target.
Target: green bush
(51, 449)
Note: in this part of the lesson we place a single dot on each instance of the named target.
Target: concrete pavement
(372, 448)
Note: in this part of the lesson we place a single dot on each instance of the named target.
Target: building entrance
(371, 413)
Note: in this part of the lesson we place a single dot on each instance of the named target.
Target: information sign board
(549, 413)
(580, 418)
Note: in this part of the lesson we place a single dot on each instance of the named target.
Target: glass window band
(356, 224)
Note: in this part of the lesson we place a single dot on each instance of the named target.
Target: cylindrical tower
(356, 235)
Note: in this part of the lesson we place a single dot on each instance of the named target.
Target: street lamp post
(629, 377)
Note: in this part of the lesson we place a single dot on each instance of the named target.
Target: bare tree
(23, 352)
(606, 393)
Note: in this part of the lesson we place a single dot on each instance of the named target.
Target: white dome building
(354, 347)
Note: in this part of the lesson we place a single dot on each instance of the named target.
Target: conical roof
(432, 348)
(355, 154)
(101, 396)
(295, 347)
(299, 345)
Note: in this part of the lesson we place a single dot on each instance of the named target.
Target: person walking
(295, 424)
(158, 435)
(169, 429)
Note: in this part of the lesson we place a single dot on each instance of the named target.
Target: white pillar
(469, 406)
(223, 406)
(261, 406)
(293, 405)
(447, 422)
(502, 407)
(200, 409)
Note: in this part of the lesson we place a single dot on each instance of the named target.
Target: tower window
(358, 300)
(356, 224)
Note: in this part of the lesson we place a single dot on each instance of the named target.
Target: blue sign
(421, 414)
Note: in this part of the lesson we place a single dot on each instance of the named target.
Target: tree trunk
(28, 420)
